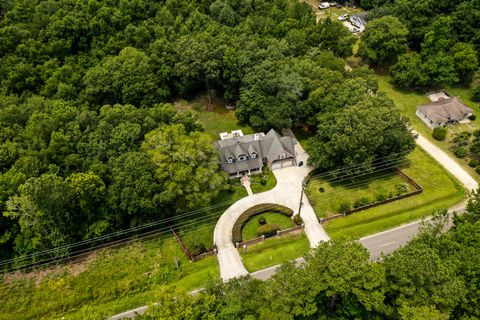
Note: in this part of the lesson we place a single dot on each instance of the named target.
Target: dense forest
(435, 277)
(90, 143)
(430, 42)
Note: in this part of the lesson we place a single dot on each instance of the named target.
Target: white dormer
(230, 159)
(253, 155)
(282, 156)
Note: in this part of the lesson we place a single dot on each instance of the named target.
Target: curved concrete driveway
(286, 193)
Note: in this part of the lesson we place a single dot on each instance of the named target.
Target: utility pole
(301, 198)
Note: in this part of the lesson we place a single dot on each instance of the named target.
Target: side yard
(441, 190)
(408, 100)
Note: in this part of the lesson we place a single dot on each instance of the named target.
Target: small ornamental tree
(439, 133)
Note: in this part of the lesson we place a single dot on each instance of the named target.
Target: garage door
(276, 165)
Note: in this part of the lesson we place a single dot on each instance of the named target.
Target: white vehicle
(343, 17)
(324, 5)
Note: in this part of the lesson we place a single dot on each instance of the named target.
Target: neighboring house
(246, 154)
(359, 20)
(443, 112)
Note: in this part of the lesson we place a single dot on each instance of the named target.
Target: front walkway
(286, 193)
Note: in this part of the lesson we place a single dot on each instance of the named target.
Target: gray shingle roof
(268, 147)
(441, 111)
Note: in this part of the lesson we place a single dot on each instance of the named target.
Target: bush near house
(439, 133)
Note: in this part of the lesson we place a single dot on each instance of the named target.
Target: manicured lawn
(441, 190)
(268, 176)
(216, 119)
(408, 100)
(111, 281)
(338, 192)
(249, 229)
(275, 251)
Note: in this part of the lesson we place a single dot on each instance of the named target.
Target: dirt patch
(37, 276)
(199, 103)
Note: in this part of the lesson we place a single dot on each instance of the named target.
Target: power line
(205, 219)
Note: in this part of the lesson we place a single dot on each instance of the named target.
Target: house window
(230, 160)
(253, 155)
(242, 157)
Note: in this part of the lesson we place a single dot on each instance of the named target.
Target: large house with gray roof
(247, 154)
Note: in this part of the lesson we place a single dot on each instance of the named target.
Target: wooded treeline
(435, 277)
(89, 143)
(430, 42)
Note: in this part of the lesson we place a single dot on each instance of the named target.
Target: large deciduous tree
(382, 40)
(44, 212)
(371, 130)
(126, 78)
(185, 166)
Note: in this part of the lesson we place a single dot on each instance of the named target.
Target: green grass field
(441, 190)
(275, 251)
(249, 229)
(215, 120)
(109, 282)
(337, 191)
(408, 100)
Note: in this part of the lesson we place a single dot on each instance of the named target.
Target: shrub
(363, 201)
(297, 219)
(460, 152)
(476, 133)
(473, 163)
(477, 169)
(263, 181)
(321, 189)
(344, 207)
(475, 147)
(461, 139)
(268, 230)
(262, 220)
(197, 248)
(439, 133)
(472, 117)
(402, 188)
(382, 196)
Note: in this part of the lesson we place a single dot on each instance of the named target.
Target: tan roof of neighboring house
(445, 110)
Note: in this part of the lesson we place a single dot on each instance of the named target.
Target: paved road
(448, 163)
(286, 193)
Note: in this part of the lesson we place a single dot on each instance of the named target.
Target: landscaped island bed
(275, 251)
(251, 226)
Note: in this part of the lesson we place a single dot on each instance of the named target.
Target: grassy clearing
(275, 251)
(111, 281)
(249, 229)
(441, 190)
(323, 193)
(215, 119)
(408, 100)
